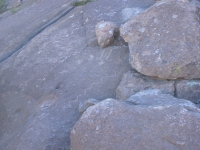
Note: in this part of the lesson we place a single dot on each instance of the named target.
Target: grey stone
(133, 82)
(108, 10)
(84, 105)
(105, 32)
(45, 75)
(189, 90)
(14, 3)
(148, 120)
(91, 102)
(164, 40)
(128, 13)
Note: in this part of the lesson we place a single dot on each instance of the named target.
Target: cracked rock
(105, 32)
(147, 120)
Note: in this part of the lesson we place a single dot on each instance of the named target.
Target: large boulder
(148, 120)
(133, 82)
(164, 41)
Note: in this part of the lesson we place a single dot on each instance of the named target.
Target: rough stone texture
(164, 41)
(91, 102)
(82, 107)
(146, 121)
(133, 82)
(86, 104)
(128, 13)
(13, 3)
(105, 32)
(189, 90)
(47, 73)
(109, 10)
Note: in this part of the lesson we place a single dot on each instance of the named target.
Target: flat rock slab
(133, 82)
(148, 120)
(164, 41)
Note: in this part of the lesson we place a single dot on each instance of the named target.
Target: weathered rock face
(189, 90)
(86, 104)
(45, 74)
(111, 10)
(128, 13)
(133, 82)
(164, 41)
(105, 32)
(148, 120)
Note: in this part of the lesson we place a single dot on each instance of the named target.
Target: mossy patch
(80, 3)
(178, 70)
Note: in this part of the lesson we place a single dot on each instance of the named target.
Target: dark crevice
(35, 33)
(175, 90)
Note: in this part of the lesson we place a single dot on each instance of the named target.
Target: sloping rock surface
(148, 120)
(47, 68)
(164, 41)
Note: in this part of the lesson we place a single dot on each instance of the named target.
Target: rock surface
(13, 3)
(47, 68)
(133, 82)
(84, 105)
(148, 120)
(128, 13)
(105, 32)
(164, 41)
(111, 10)
(189, 90)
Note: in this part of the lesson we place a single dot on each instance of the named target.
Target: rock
(189, 90)
(128, 13)
(164, 40)
(83, 106)
(14, 4)
(108, 10)
(133, 82)
(48, 69)
(105, 32)
(91, 102)
(148, 120)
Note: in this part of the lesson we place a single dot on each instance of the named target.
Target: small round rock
(105, 32)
